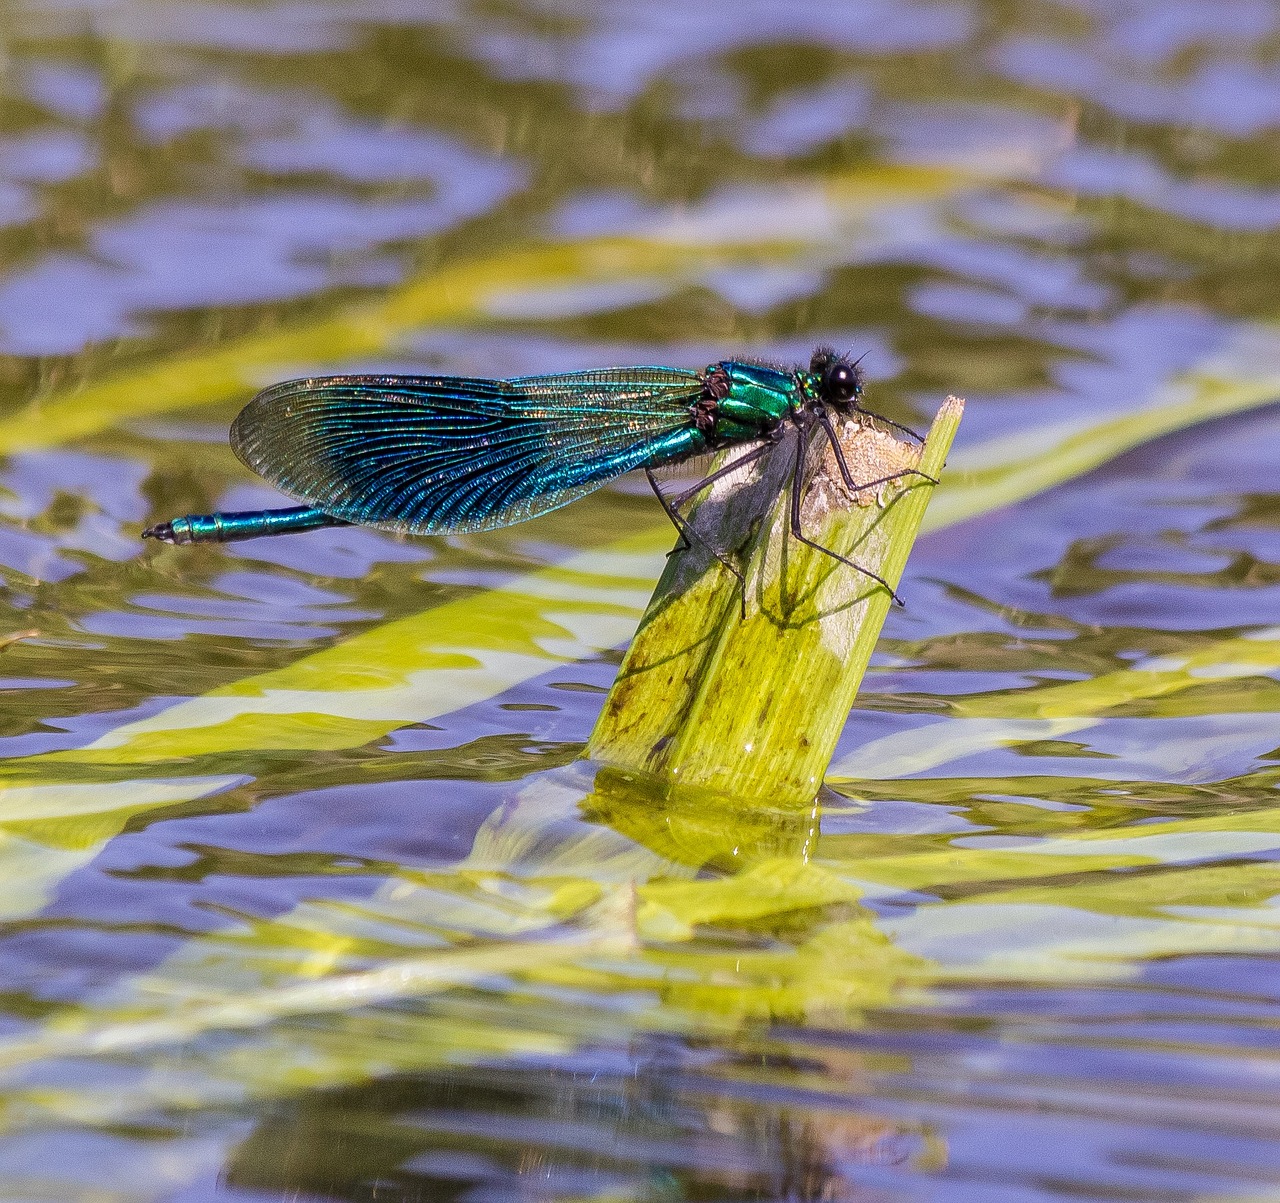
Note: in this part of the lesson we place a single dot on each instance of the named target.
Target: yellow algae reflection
(473, 649)
(1047, 712)
(403, 672)
(846, 215)
(406, 671)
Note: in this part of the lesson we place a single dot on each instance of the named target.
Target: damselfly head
(839, 379)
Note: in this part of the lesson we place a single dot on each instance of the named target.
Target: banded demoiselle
(433, 455)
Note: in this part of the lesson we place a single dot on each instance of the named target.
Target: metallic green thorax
(739, 401)
(755, 398)
(758, 398)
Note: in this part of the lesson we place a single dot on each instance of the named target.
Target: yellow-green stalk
(744, 688)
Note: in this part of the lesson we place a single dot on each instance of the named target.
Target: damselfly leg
(857, 486)
(671, 505)
(797, 496)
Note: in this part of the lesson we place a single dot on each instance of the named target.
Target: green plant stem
(743, 689)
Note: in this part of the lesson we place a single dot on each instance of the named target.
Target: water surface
(1023, 949)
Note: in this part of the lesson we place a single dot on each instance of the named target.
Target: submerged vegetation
(335, 865)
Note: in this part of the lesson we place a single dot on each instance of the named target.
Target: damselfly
(432, 455)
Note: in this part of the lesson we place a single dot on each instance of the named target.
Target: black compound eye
(841, 383)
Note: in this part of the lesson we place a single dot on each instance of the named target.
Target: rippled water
(1024, 949)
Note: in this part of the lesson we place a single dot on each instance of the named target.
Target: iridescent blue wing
(425, 454)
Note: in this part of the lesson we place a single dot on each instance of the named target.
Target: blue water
(1091, 232)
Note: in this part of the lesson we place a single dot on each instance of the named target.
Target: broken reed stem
(752, 707)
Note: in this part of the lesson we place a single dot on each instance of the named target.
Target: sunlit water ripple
(1025, 948)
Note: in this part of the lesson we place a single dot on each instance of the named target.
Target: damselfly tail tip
(163, 531)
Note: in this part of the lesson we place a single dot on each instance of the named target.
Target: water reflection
(1024, 950)
(653, 1124)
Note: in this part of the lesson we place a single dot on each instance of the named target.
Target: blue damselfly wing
(428, 455)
